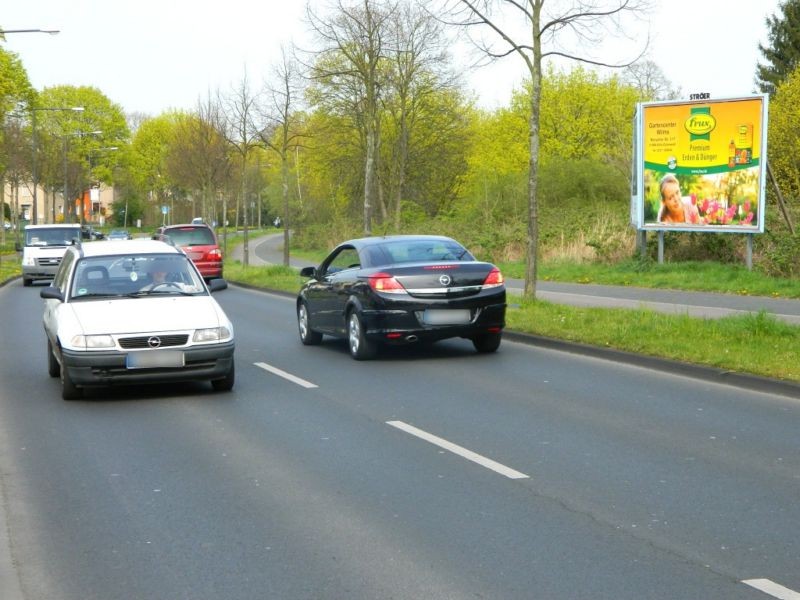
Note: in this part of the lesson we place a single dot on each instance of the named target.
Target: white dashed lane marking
(455, 449)
(285, 375)
(773, 589)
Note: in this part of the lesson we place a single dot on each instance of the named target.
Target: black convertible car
(399, 290)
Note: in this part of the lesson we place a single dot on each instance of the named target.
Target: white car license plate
(446, 316)
(154, 359)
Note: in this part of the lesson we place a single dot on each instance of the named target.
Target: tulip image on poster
(702, 165)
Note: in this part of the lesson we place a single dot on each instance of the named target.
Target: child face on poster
(671, 202)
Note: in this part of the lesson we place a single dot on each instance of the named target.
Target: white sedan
(134, 312)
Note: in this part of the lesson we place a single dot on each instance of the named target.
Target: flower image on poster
(703, 165)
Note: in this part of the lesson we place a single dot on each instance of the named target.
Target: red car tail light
(494, 279)
(385, 283)
(215, 254)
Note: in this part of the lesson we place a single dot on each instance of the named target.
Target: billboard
(700, 165)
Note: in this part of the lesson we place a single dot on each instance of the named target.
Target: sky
(149, 56)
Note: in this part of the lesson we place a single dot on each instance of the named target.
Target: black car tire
(487, 342)
(226, 383)
(26, 282)
(69, 391)
(53, 368)
(307, 336)
(360, 347)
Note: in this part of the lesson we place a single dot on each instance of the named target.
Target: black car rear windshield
(191, 236)
(404, 251)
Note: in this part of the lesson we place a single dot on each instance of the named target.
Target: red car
(199, 243)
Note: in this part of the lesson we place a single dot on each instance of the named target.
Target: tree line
(373, 132)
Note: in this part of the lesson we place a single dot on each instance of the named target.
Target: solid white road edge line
(463, 452)
(773, 589)
(285, 375)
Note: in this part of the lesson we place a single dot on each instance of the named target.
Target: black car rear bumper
(201, 363)
(405, 325)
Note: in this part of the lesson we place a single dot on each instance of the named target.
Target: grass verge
(690, 276)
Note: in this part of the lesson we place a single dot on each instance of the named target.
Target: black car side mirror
(17, 246)
(51, 293)
(308, 272)
(216, 285)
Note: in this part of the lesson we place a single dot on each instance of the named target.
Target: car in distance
(198, 242)
(130, 312)
(90, 233)
(43, 247)
(400, 290)
(119, 234)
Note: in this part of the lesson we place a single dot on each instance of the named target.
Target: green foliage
(88, 160)
(150, 149)
(777, 254)
(581, 195)
(14, 84)
(135, 206)
(782, 54)
(784, 134)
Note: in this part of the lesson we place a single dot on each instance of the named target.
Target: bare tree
(647, 77)
(200, 157)
(582, 23)
(284, 130)
(241, 132)
(354, 50)
(416, 65)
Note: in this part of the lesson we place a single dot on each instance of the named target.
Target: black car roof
(369, 241)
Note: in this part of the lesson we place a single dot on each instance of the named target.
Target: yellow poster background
(734, 142)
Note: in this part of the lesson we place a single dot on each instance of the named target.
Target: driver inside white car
(162, 276)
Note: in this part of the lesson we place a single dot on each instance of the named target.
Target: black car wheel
(69, 391)
(487, 342)
(53, 368)
(226, 383)
(360, 347)
(307, 336)
(26, 282)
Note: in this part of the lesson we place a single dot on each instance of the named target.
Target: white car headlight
(92, 342)
(213, 334)
(28, 261)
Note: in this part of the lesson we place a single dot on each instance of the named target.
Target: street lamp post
(34, 174)
(50, 31)
(65, 137)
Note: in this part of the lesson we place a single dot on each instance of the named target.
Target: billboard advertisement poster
(701, 165)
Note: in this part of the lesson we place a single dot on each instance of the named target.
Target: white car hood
(144, 315)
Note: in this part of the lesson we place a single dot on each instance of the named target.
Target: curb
(746, 381)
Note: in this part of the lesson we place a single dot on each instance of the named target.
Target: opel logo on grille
(154, 341)
(445, 280)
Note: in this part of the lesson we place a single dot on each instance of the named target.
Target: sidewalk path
(269, 250)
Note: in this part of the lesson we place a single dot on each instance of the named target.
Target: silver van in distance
(44, 247)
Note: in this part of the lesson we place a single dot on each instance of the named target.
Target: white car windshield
(51, 236)
(135, 276)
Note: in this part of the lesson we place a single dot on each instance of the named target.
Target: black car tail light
(385, 283)
(494, 279)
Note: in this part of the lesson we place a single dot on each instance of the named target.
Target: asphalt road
(268, 249)
(318, 476)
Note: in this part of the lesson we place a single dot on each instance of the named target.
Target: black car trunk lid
(442, 280)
